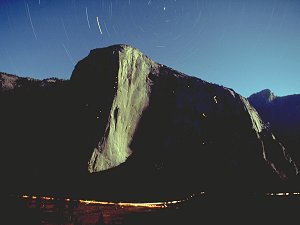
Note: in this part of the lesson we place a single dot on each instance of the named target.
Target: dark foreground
(200, 209)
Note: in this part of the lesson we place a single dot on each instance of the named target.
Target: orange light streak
(121, 204)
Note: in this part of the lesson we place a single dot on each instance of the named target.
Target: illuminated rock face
(168, 121)
(131, 98)
(131, 89)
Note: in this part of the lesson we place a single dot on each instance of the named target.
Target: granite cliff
(175, 124)
(126, 124)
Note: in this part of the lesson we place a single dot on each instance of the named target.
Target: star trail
(29, 16)
(98, 23)
(87, 17)
(244, 45)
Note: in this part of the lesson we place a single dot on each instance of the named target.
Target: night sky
(247, 45)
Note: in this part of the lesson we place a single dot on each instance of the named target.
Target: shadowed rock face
(174, 124)
(282, 116)
(34, 131)
(125, 124)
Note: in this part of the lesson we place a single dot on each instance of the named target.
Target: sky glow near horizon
(242, 44)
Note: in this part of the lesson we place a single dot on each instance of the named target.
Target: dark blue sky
(247, 45)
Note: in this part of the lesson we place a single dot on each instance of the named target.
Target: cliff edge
(173, 123)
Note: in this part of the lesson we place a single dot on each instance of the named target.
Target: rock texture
(282, 115)
(125, 125)
(175, 124)
(131, 90)
(263, 97)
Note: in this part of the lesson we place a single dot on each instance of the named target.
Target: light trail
(35, 197)
(111, 9)
(134, 204)
(106, 29)
(29, 15)
(284, 194)
(69, 55)
(99, 25)
(164, 204)
(64, 27)
(87, 17)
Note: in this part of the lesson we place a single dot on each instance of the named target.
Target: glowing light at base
(164, 204)
(35, 197)
(284, 194)
(134, 204)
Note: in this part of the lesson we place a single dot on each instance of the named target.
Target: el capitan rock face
(120, 81)
(126, 124)
(175, 124)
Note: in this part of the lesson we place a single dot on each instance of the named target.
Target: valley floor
(196, 210)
